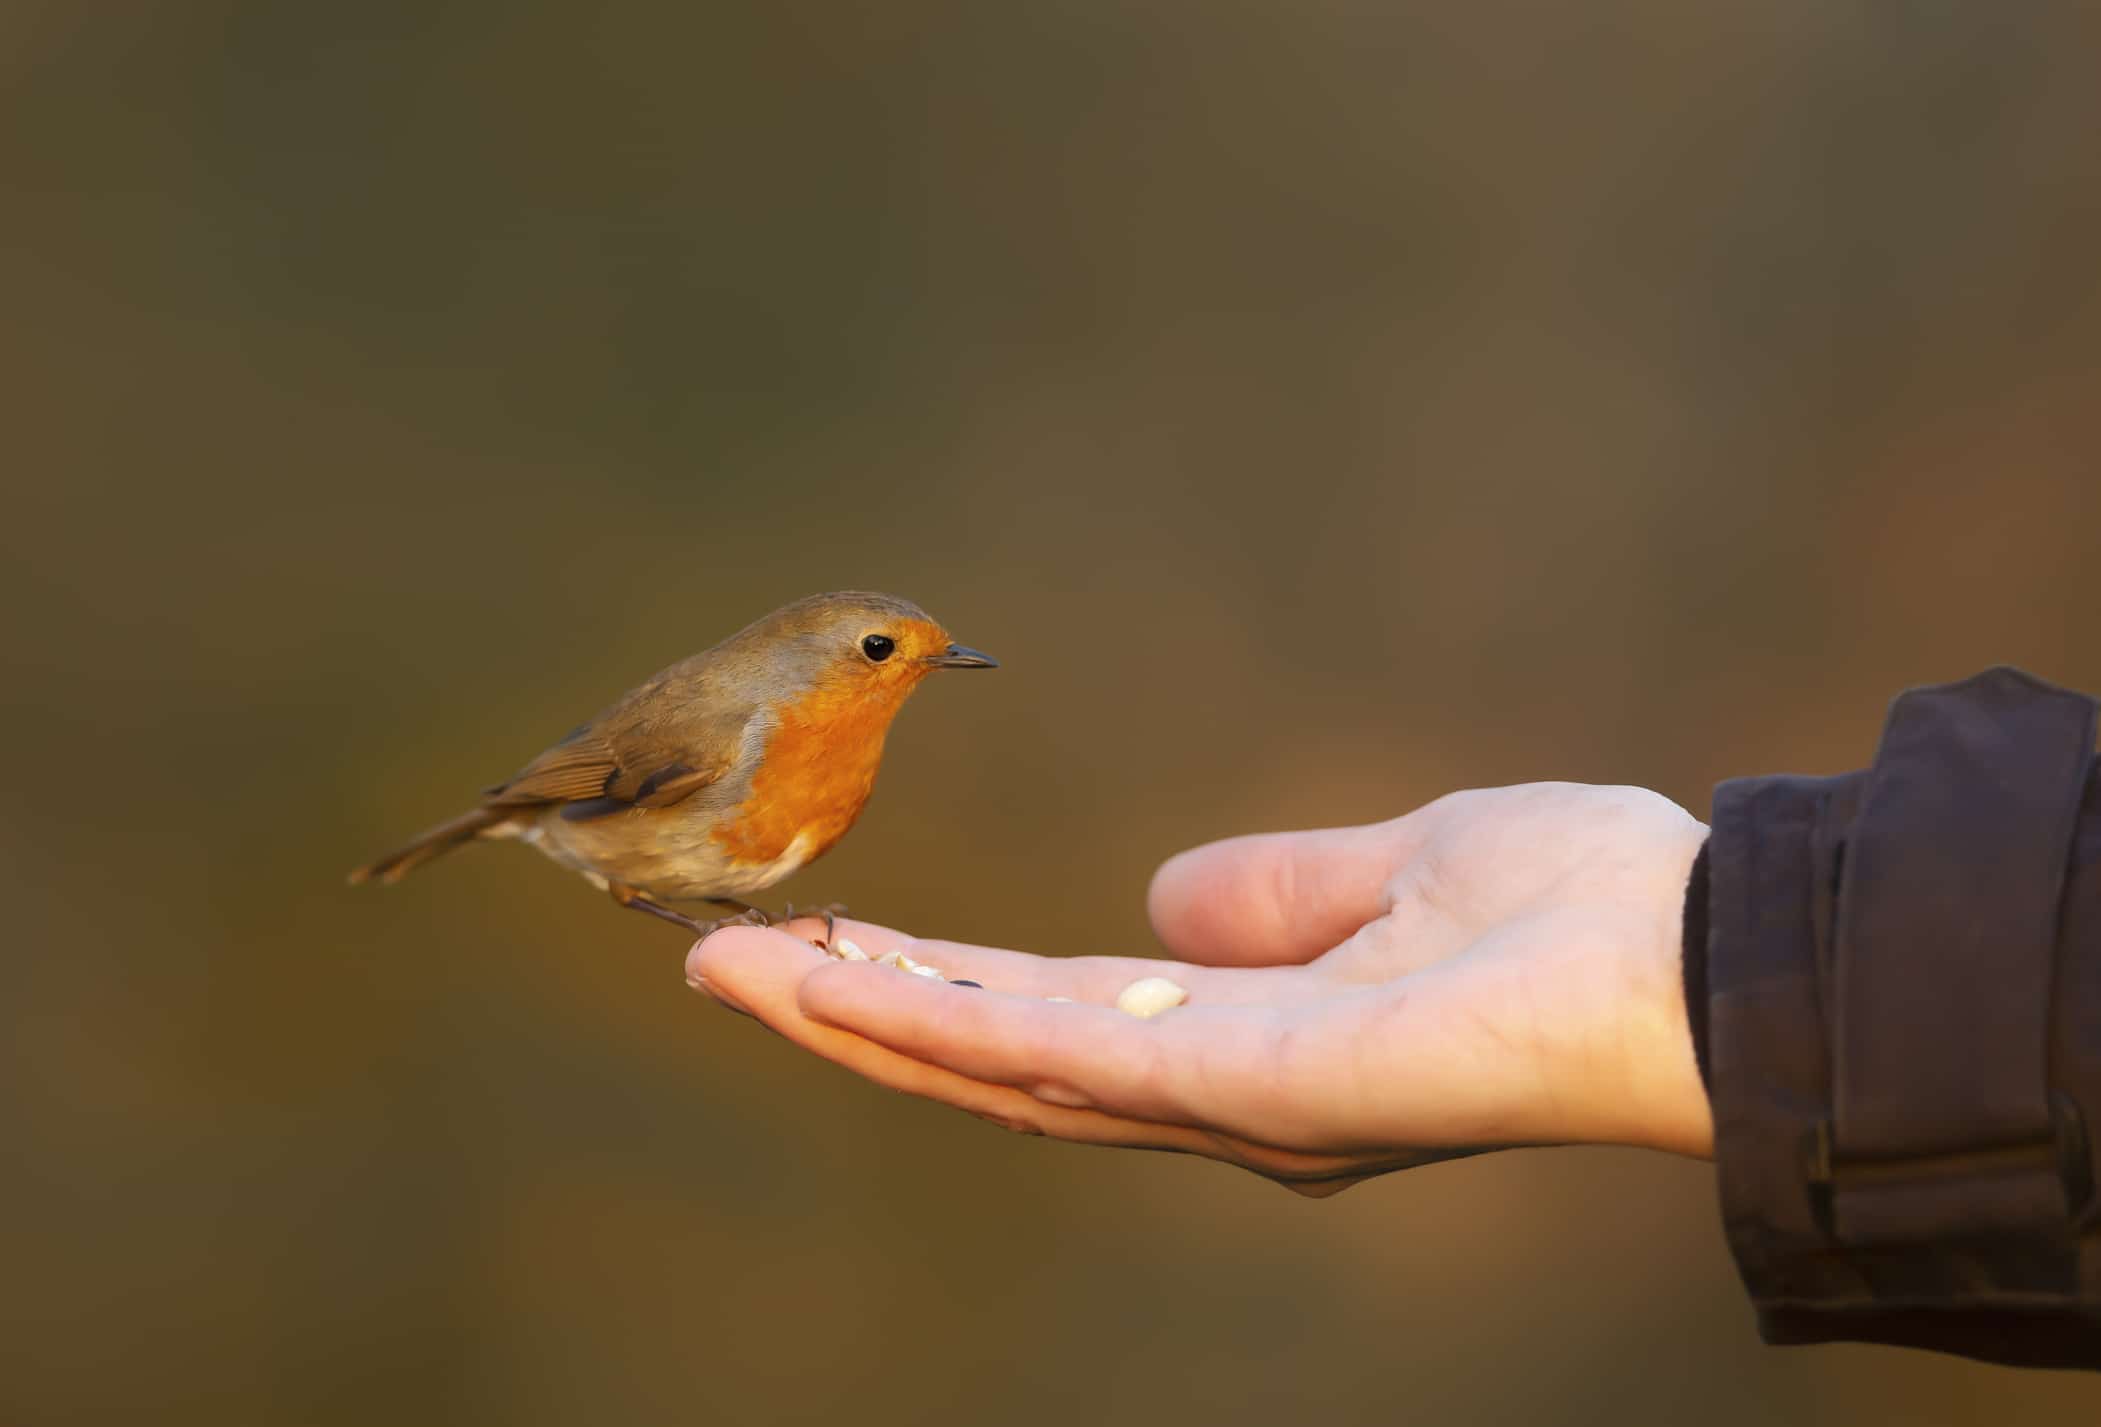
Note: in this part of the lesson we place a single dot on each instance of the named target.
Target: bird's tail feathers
(431, 843)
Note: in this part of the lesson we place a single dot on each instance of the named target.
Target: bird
(723, 773)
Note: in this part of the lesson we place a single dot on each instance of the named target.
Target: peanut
(1149, 997)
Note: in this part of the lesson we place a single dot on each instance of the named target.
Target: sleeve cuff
(1893, 981)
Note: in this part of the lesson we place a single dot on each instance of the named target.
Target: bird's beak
(958, 657)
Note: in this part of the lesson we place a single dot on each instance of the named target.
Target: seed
(973, 985)
(921, 970)
(891, 958)
(1149, 997)
(1059, 1000)
(847, 951)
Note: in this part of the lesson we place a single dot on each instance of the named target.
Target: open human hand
(1499, 967)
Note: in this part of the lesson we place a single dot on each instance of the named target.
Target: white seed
(1059, 1000)
(891, 958)
(918, 970)
(1148, 998)
(847, 951)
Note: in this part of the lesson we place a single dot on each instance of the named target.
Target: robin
(725, 772)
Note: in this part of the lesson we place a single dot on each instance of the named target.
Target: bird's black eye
(878, 647)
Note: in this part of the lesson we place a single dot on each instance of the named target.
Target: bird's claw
(749, 917)
(830, 911)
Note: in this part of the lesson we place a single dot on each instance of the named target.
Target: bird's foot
(749, 917)
(831, 912)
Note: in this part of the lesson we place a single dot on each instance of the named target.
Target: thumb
(1275, 898)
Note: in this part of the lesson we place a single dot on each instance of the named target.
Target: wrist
(1672, 1079)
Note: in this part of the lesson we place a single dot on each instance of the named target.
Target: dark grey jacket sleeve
(1894, 978)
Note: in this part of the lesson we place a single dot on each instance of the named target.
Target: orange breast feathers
(814, 777)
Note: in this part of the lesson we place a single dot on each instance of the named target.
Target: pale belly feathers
(671, 855)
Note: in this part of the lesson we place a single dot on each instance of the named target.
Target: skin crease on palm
(1499, 967)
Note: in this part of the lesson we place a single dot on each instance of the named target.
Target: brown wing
(582, 765)
(624, 763)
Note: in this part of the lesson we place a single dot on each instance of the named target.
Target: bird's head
(860, 646)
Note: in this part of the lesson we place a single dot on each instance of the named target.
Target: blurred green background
(1317, 406)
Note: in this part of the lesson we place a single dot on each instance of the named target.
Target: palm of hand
(1499, 967)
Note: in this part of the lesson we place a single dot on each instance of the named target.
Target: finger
(1276, 898)
(761, 969)
(1095, 980)
(1223, 1068)
(1430, 1063)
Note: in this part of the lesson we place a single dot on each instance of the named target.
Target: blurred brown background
(1317, 406)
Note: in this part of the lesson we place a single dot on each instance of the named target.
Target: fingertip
(1163, 895)
(700, 957)
(696, 957)
(1179, 896)
(1223, 903)
(721, 950)
(1271, 898)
